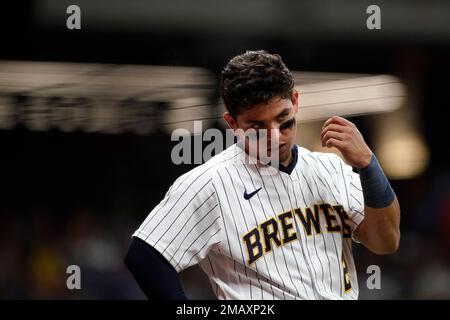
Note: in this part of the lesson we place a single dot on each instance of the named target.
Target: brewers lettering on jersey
(285, 232)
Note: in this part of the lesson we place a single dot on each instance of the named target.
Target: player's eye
(288, 124)
(283, 115)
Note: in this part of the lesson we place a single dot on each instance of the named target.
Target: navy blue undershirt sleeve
(377, 190)
(153, 273)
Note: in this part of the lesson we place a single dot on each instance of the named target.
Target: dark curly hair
(252, 78)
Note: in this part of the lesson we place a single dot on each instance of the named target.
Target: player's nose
(274, 135)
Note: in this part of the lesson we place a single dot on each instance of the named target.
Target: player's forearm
(380, 230)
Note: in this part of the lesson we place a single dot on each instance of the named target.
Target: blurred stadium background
(86, 118)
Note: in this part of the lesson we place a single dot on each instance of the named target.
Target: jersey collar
(286, 169)
(290, 167)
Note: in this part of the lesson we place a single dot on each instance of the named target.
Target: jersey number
(347, 282)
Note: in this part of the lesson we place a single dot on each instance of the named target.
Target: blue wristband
(377, 190)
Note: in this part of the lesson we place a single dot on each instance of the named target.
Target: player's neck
(288, 161)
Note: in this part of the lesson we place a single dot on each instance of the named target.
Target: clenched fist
(342, 134)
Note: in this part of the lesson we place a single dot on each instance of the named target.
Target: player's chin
(284, 152)
(283, 149)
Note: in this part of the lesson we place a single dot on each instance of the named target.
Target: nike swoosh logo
(247, 196)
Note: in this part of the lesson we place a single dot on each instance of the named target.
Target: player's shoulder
(302, 151)
(206, 172)
(322, 160)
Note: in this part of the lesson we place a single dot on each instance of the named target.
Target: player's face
(277, 117)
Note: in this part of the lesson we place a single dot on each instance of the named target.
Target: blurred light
(326, 94)
(403, 156)
(103, 98)
(185, 111)
(398, 141)
(107, 80)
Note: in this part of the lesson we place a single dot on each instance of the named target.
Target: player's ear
(295, 97)
(230, 120)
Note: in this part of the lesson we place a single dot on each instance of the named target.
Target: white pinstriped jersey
(259, 236)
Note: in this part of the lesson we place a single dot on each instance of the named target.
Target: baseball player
(283, 235)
